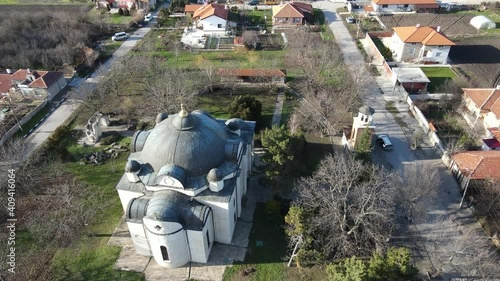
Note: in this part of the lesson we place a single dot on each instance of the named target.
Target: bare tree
(353, 206)
(464, 253)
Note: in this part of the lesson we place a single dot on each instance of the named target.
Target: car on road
(384, 142)
(350, 20)
(120, 36)
(148, 17)
(252, 3)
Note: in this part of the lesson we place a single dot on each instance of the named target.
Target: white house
(211, 18)
(420, 44)
(38, 84)
(395, 6)
(183, 185)
(362, 124)
(483, 105)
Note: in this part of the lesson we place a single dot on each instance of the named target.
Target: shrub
(120, 12)
(126, 12)
(110, 139)
(247, 108)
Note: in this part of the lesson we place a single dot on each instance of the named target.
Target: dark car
(384, 142)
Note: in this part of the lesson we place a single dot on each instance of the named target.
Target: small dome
(233, 124)
(168, 205)
(132, 166)
(160, 117)
(366, 110)
(214, 175)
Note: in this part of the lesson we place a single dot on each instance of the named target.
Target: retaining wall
(23, 121)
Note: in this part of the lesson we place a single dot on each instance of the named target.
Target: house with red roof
(37, 84)
(395, 6)
(292, 14)
(212, 18)
(483, 104)
(476, 166)
(420, 44)
(6, 86)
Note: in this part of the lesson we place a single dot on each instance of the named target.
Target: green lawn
(117, 19)
(217, 103)
(492, 15)
(257, 17)
(32, 122)
(438, 76)
(289, 105)
(267, 246)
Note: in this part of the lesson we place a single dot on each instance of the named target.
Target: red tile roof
(495, 132)
(292, 10)
(251, 72)
(211, 10)
(43, 79)
(403, 2)
(5, 83)
(479, 164)
(485, 99)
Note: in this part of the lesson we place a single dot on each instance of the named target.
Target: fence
(424, 124)
(23, 121)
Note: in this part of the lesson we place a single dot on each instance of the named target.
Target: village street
(81, 87)
(439, 229)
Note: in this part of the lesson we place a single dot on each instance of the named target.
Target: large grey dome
(194, 141)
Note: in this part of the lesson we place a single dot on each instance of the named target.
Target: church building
(183, 185)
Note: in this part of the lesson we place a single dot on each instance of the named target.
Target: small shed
(413, 80)
(482, 22)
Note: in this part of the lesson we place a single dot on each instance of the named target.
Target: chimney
(28, 70)
(9, 71)
(438, 29)
(418, 25)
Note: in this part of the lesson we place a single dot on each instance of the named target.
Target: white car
(350, 20)
(148, 17)
(120, 36)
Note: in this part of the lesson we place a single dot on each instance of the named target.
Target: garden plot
(479, 58)
(451, 24)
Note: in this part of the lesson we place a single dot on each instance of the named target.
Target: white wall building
(401, 6)
(211, 18)
(420, 44)
(184, 183)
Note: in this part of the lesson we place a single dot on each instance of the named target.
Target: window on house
(405, 5)
(385, 6)
(286, 19)
(208, 239)
(414, 43)
(164, 253)
(440, 46)
(412, 51)
(219, 25)
(235, 218)
(438, 54)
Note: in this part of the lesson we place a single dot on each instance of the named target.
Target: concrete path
(278, 108)
(82, 88)
(431, 233)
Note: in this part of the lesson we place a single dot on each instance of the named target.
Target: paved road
(431, 233)
(82, 87)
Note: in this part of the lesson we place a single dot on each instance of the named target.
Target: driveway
(81, 88)
(426, 235)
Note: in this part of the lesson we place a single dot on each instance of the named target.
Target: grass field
(91, 258)
(438, 76)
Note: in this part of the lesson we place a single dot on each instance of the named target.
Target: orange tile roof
(43, 79)
(211, 10)
(192, 8)
(485, 99)
(425, 34)
(495, 132)
(292, 10)
(5, 83)
(369, 8)
(251, 72)
(479, 164)
(403, 2)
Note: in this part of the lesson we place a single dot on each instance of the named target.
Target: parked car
(252, 3)
(148, 17)
(120, 36)
(350, 20)
(384, 142)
